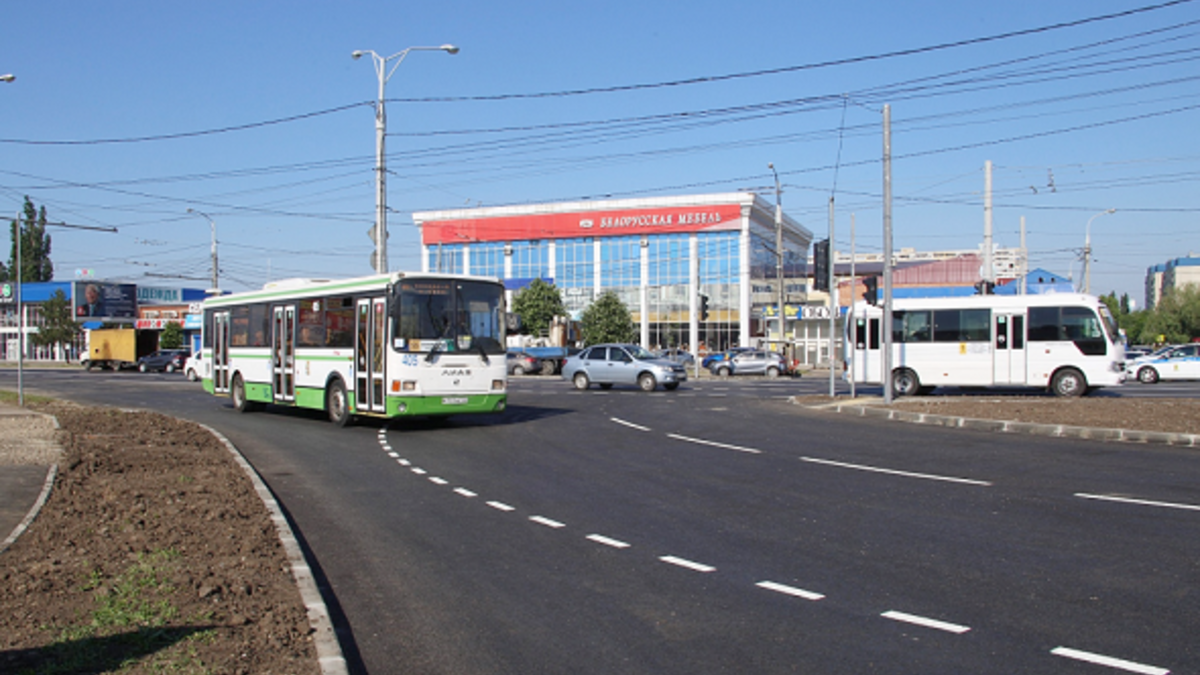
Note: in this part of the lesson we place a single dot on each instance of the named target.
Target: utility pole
(1024, 269)
(779, 253)
(887, 253)
(849, 347)
(986, 274)
(833, 305)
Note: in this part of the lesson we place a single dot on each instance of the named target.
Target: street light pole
(215, 285)
(779, 252)
(1087, 251)
(379, 233)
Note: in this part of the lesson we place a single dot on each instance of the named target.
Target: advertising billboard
(100, 301)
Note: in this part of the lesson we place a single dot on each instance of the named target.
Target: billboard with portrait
(100, 301)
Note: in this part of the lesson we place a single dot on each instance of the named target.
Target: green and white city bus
(389, 345)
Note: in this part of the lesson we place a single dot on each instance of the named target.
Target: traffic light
(703, 307)
(821, 265)
(872, 293)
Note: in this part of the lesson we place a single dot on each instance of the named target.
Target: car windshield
(640, 353)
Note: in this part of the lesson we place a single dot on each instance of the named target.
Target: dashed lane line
(631, 425)
(607, 541)
(714, 444)
(1139, 502)
(687, 564)
(542, 520)
(790, 590)
(894, 472)
(925, 621)
(1111, 662)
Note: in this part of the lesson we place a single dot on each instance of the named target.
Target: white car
(192, 367)
(1175, 363)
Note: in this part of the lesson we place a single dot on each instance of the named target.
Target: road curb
(47, 486)
(329, 650)
(1010, 426)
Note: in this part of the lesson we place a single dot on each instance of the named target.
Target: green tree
(537, 304)
(58, 323)
(1176, 317)
(172, 337)
(35, 247)
(606, 320)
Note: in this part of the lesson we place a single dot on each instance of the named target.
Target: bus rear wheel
(337, 403)
(905, 383)
(1068, 382)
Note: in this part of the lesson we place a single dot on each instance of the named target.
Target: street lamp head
(1111, 211)
(356, 54)
(449, 49)
(10, 77)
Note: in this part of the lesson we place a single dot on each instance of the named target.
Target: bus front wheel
(905, 383)
(337, 403)
(237, 391)
(1068, 382)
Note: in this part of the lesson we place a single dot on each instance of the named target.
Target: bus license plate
(454, 400)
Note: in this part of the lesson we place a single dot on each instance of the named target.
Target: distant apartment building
(1172, 274)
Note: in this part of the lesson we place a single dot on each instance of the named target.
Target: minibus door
(283, 353)
(868, 361)
(1008, 341)
(220, 352)
(371, 335)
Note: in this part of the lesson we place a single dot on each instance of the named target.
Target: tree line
(1175, 319)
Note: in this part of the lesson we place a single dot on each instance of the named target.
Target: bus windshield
(1110, 323)
(448, 315)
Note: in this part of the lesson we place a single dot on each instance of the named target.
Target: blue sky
(125, 115)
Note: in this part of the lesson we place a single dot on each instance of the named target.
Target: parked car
(708, 361)
(520, 363)
(551, 357)
(611, 364)
(192, 367)
(753, 362)
(676, 355)
(169, 360)
(1175, 363)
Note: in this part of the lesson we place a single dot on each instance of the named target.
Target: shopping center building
(659, 255)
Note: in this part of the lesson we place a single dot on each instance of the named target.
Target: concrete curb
(329, 650)
(1007, 426)
(47, 486)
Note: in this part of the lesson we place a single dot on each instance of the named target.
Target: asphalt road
(719, 529)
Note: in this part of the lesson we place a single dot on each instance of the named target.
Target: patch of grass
(11, 398)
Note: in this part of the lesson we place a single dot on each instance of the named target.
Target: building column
(596, 269)
(466, 259)
(744, 306)
(645, 294)
(694, 294)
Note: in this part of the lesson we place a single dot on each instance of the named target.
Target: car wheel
(905, 383)
(1147, 375)
(1068, 382)
(143, 368)
(191, 375)
(547, 367)
(337, 403)
(518, 370)
(237, 391)
(647, 382)
(772, 372)
(581, 381)
(170, 367)
(724, 371)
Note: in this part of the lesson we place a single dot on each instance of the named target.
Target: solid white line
(789, 590)
(600, 539)
(1141, 502)
(541, 520)
(438, 481)
(928, 623)
(1108, 661)
(714, 444)
(419, 472)
(906, 474)
(501, 506)
(465, 492)
(631, 425)
(698, 567)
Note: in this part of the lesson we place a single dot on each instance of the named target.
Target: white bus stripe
(893, 472)
(1099, 659)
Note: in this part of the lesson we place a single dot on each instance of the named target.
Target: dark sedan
(169, 360)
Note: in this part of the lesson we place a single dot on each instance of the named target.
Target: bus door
(868, 356)
(220, 352)
(1008, 338)
(370, 337)
(283, 353)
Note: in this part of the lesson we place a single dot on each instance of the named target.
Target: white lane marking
(465, 492)
(404, 462)
(789, 590)
(418, 471)
(906, 474)
(501, 506)
(438, 481)
(1140, 502)
(542, 520)
(714, 444)
(394, 455)
(926, 622)
(698, 567)
(631, 425)
(1109, 661)
(600, 539)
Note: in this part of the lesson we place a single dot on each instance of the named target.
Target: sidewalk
(28, 458)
